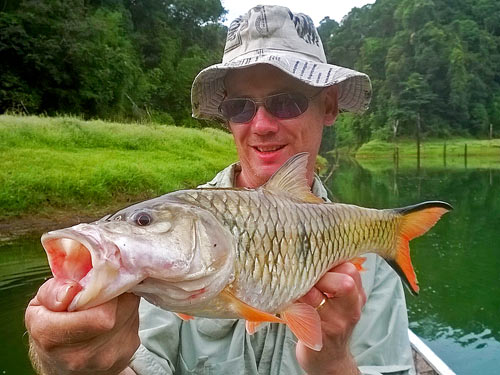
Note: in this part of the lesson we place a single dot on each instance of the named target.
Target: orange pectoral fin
(248, 312)
(358, 263)
(252, 327)
(184, 316)
(304, 321)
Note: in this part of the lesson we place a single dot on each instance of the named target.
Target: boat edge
(429, 356)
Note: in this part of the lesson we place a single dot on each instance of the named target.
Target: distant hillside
(433, 62)
(436, 61)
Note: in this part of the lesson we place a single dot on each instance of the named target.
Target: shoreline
(35, 224)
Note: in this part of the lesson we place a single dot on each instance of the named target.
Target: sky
(316, 9)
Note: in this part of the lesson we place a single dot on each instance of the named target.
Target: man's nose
(263, 122)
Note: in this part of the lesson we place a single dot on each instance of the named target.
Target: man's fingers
(57, 294)
(103, 337)
(128, 309)
(117, 346)
(69, 327)
(341, 281)
(313, 298)
(79, 326)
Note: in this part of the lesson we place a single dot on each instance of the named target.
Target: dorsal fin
(291, 179)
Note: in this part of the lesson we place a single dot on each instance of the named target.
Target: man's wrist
(35, 359)
(127, 371)
(346, 366)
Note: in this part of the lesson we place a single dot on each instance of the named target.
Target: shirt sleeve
(380, 343)
(159, 334)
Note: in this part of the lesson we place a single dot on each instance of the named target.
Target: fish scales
(285, 246)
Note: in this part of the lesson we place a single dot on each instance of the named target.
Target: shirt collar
(227, 177)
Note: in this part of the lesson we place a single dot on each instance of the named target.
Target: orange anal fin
(358, 263)
(304, 321)
(246, 311)
(252, 327)
(415, 222)
(184, 316)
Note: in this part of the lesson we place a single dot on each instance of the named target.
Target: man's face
(266, 142)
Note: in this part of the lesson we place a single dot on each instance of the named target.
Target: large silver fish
(233, 253)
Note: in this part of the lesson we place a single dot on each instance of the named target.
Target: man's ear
(331, 105)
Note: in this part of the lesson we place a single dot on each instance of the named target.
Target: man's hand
(100, 340)
(339, 314)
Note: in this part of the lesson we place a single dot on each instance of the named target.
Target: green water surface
(457, 263)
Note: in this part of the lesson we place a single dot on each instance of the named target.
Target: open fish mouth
(69, 258)
(85, 259)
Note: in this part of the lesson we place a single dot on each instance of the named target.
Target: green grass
(67, 163)
(431, 148)
(480, 154)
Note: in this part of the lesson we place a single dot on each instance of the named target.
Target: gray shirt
(379, 342)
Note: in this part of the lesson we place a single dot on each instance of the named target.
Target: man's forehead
(263, 79)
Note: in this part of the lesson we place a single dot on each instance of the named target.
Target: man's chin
(267, 170)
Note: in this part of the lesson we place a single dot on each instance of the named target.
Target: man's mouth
(269, 148)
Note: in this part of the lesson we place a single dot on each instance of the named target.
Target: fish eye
(143, 218)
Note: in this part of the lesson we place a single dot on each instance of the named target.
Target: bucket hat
(274, 35)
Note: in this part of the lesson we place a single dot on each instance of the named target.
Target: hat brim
(208, 89)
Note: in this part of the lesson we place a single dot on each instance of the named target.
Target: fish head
(169, 252)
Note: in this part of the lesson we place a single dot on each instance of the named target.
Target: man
(275, 93)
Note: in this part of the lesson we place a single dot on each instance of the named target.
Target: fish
(234, 252)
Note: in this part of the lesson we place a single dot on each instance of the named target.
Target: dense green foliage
(67, 163)
(107, 58)
(433, 61)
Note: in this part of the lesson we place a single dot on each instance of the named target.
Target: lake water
(457, 263)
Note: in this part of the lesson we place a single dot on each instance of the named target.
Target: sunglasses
(282, 106)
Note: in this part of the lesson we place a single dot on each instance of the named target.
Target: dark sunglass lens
(238, 110)
(288, 105)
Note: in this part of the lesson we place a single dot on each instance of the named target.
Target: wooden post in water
(395, 156)
(444, 154)
(465, 155)
(418, 141)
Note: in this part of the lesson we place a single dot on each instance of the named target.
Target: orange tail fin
(416, 220)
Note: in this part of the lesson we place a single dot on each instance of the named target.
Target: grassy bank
(452, 153)
(55, 164)
(433, 148)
